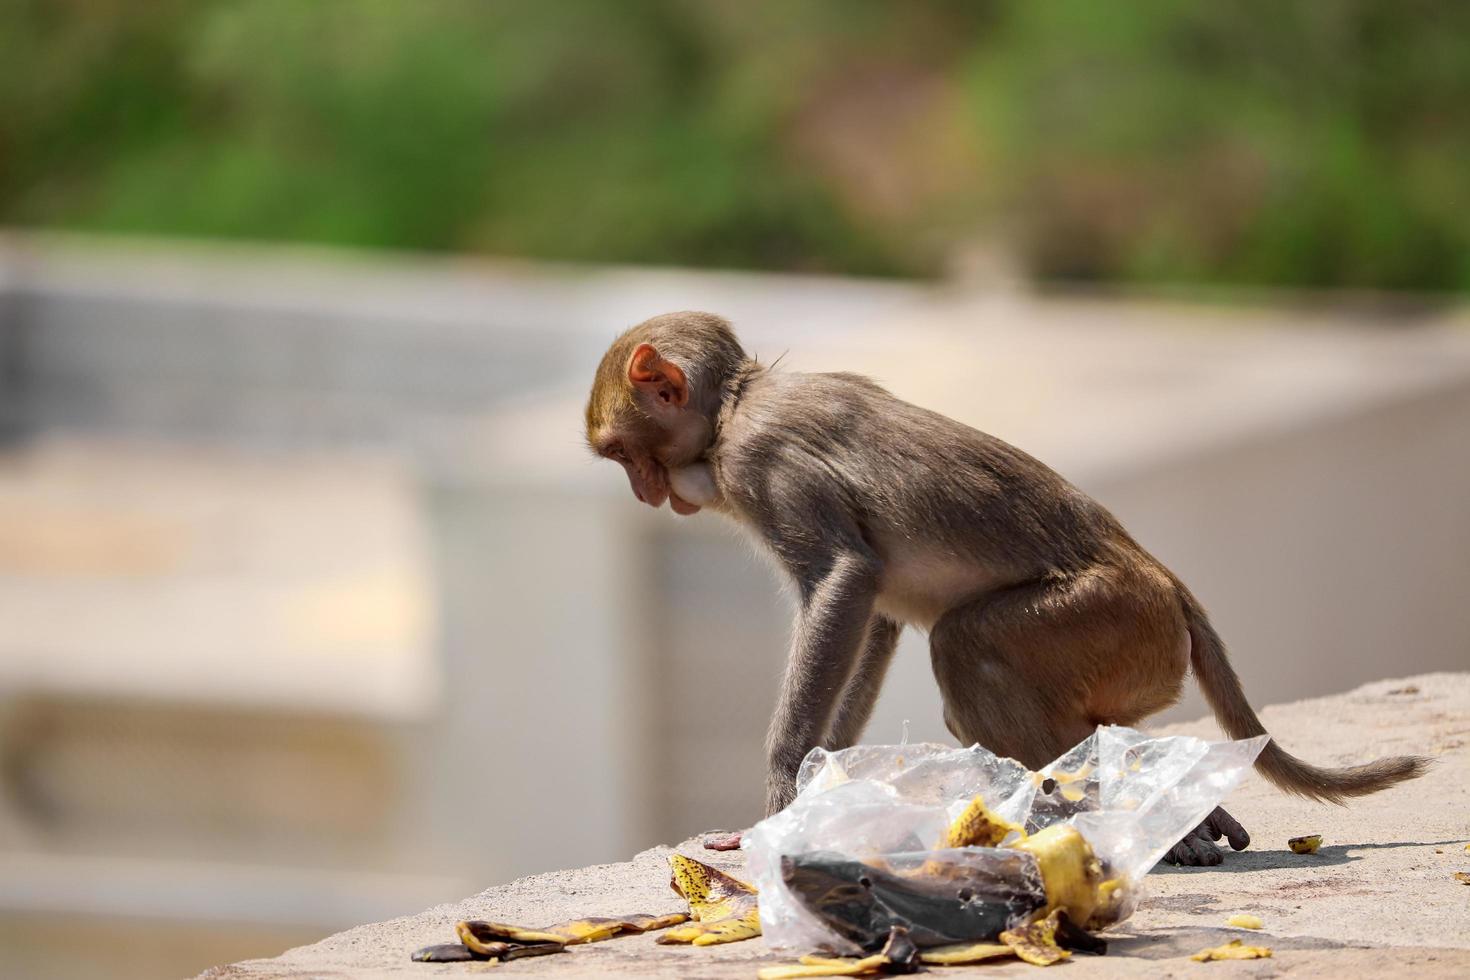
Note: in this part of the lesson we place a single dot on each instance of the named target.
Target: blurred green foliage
(1325, 143)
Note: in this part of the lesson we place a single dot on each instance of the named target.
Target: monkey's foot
(1198, 848)
(723, 841)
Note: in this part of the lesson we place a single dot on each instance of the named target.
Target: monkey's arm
(862, 688)
(837, 596)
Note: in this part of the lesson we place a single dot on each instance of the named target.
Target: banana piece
(503, 940)
(1037, 943)
(723, 909)
(961, 953)
(444, 953)
(1233, 950)
(1070, 871)
(978, 827)
(816, 966)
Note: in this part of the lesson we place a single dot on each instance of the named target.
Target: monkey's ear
(661, 379)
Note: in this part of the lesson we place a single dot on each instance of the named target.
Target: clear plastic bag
(860, 840)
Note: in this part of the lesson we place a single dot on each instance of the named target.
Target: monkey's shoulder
(814, 413)
(826, 440)
(838, 413)
(797, 398)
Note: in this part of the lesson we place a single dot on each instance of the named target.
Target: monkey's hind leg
(1032, 670)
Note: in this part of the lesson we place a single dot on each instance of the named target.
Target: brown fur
(1045, 617)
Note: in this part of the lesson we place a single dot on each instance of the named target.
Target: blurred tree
(1318, 144)
(1321, 144)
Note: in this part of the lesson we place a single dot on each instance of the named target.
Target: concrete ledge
(1378, 900)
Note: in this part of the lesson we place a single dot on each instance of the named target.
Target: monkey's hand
(1198, 848)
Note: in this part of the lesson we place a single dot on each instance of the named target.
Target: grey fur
(1045, 617)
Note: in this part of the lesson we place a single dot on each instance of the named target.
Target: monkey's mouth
(652, 486)
(682, 506)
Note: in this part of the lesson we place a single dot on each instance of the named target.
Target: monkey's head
(655, 398)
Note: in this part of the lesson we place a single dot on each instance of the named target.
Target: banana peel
(1070, 871)
(1072, 876)
(978, 827)
(816, 966)
(575, 932)
(1233, 950)
(1305, 845)
(444, 953)
(1033, 944)
(1036, 943)
(959, 954)
(480, 939)
(723, 909)
(899, 955)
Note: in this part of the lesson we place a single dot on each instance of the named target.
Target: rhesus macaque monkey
(1045, 618)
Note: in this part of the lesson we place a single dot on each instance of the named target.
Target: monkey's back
(839, 447)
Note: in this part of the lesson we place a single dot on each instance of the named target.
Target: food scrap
(955, 900)
(1074, 878)
(958, 954)
(573, 933)
(444, 953)
(1463, 877)
(721, 840)
(899, 955)
(1233, 950)
(723, 909)
(1244, 920)
(1037, 943)
(943, 901)
(483, 942)
(819, 967)
(1305, 845)
(978, 827)
(480, 939)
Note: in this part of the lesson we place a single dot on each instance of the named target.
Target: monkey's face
(641, 418)
(648, 475)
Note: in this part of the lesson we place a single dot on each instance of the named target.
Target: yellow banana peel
(978, 827)
(1036, 943)
(494, 938)
(816, 966)
(1233, 950)
(959, 954)
(1070, 871)
(723, 909)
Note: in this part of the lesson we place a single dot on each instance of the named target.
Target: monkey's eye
(615, 452)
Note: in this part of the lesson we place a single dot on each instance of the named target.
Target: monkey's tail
(1222, 690)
